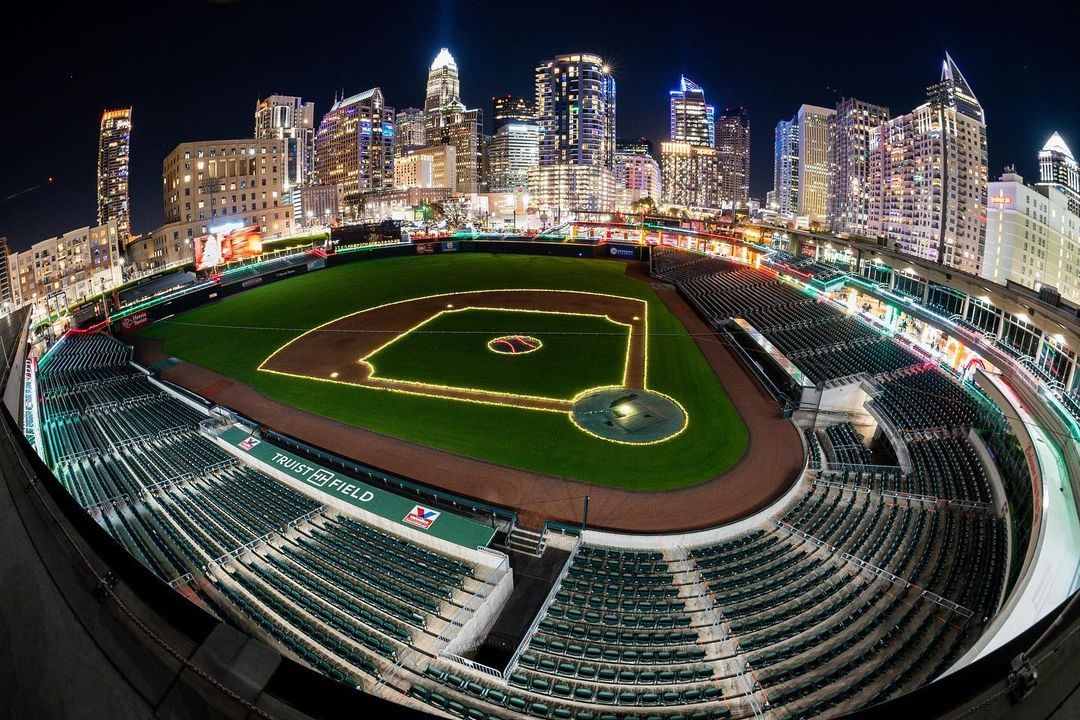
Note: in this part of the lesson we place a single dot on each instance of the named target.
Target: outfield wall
(213, 293)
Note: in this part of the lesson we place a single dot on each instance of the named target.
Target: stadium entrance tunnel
(628, 415)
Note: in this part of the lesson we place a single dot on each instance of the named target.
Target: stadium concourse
(874, 572)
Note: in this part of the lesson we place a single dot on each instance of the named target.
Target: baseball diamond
(399, 346)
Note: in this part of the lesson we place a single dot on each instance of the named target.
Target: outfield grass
(578, 352)
(235, 335)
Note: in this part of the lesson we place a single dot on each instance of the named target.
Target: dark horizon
(193, 71)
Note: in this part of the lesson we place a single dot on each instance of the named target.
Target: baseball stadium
(629, 472)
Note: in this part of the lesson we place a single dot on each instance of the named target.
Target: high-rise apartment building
(66, 270)
(733, 154)
(785, 195)
(1032, 236)
(813, 122)
(928, 171)
(1057, 168)
(409, 132)
(575, 107)
(849, 159)
(448, 122)
(693, 121)
(354, 148)
(690, 175)
(5, 278)
(114, 166)
(291, 120)
(637, 177)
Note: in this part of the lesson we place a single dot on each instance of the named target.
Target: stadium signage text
(133, 322)
(317, 479)
(322, 478)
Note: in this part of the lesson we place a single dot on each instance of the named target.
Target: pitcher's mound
(628, 415)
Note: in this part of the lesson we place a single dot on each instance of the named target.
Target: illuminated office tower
(448, 122)
(785, 193)
(814, 173)
(928, 169)
(114, 165)
(1057, 168)
(409, 133)
(575, 108)
(733, 155)
(291, 120)
(692, 120)
(443, 85)
(849, 160)
(354, 148)
(510, 108)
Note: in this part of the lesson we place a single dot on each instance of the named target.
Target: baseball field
(475, 354)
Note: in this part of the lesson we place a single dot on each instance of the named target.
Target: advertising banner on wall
(133, 322)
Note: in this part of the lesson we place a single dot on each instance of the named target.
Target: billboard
(215, 249)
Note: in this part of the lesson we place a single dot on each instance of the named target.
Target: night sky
(193, 71)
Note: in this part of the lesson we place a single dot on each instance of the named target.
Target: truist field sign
(444, 525)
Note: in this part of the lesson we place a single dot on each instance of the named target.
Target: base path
(771, 464)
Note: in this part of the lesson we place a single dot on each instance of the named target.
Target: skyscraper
(409, 133)
(1057, 168)
(290, 119)
(786, 168)
(448, 122)
(443, 85)
(114, 164)
(692, 120)
(849, 160)
(354, 148)
(514, 149)
(733, 154)
(814, 172)
(929, 174)
(6, 300)
(691, 165)
(575, 106)
(509, 108)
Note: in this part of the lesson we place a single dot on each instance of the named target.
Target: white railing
(722, 629)
(238, 552)
(512, 665)
(473, 665)
(879, 571)
(938, 501)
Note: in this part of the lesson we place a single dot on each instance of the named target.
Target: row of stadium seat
(343, 596)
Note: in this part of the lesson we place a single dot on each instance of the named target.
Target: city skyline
(74, 86)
